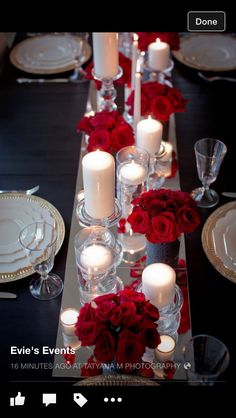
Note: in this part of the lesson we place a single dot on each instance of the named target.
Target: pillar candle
(158, 55)
(68, 320)
(158, 284)
(132, 173)
(134, 60)
(96, 257)
(149, 135)
(105, 54)
(137, 98)
(99, 184)
(165, 350)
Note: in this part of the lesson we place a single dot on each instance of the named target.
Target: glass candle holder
(68, 320)
(132, 175)
(156, 75)
(107, 93)
(97, 255)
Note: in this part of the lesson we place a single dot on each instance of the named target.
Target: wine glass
(205, 359)
(209, 154)
(79, 52)
(40, 241)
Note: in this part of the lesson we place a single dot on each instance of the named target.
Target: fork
(27, 192)
(215, 78)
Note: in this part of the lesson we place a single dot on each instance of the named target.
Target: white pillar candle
(137, 97)
(105, 54)
(99, 184)
(134, 60)
(165, 350)
(96, 258)
(158, 55)
(149, 135)
(158, 284)
(68, 320)
(132, 173)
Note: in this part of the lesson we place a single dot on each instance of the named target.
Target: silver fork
(215, 78)
(27, 192)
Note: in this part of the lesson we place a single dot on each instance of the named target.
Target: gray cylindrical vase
(164, 252)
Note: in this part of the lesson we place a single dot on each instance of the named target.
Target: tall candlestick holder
(156, 177)
(107, 93)
(156, 75)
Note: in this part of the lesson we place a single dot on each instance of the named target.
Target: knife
(23, 80)
(229, 194)
(6, 295)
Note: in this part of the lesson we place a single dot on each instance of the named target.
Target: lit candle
(158, 55)
(149, 135)
(99, 184)
(68, 320)
(96, 258)
(137, 97)
(166, 161)
(158, 284)
(134, 59)
(132, 173)
(165, 350)
(105, 54)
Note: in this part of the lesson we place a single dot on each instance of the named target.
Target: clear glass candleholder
(156, 176)
(86, 220)
(97, 255)
(107, 93)
(132, 176)
(156, 75)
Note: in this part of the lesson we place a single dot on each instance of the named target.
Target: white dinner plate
(17, 211)
(219, 240)
(207, 52)
(48, 54)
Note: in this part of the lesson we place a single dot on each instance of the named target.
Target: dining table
(40, 146)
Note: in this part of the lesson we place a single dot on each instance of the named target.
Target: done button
(206, 21)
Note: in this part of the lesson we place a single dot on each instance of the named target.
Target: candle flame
(135, 37)
(149, 117)
(158, 40)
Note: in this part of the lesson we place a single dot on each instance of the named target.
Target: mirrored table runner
(71, 297)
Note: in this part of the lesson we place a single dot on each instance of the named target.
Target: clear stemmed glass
(205, 359)
(209, 156)
(40, 241)
(79, 55)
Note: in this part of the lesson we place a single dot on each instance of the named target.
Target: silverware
(23, 80)
(7, 295)
(27, 192)
(215, 78)
(229, 194)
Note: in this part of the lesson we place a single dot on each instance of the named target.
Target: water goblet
(209, 154)
(205, 359)
(40, 242)
(79, 55)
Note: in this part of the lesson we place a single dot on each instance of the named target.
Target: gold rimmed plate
(18, 210)
(218, 242)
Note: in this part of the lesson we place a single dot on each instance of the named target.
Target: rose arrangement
(120, 327)
(125, 64)
(145, 38)
(107, 131)
(163, 215)
(158, 100)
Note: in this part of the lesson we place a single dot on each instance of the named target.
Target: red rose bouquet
(120, 328)
(125, 64)
(158, 100)
(163, 215)
(145, 38)
(107, 131)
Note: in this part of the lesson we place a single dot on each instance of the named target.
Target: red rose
(84, 125)
(164, 227)
(122, 136)
(105, 347)
(150, 311)
(144, 104)
(177, 100)
(91, 368)
(152, 90)
(123, 313)
(127, 295)
(121, 228)
(187, 218)
(130, 348)
(126, 65)
(105, 298)
(102, 120)
(86, 313)
(139, 220)
(87, 332)
(161, 108)
(104, 310)
(99, 139)
(149, 334)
